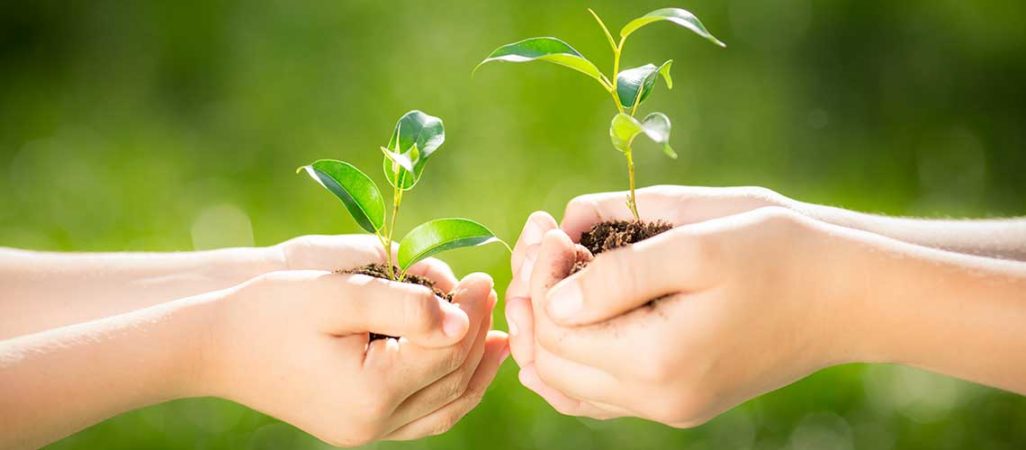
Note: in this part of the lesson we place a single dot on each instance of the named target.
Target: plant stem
(617, 51)
(632, 201)
(397, 199)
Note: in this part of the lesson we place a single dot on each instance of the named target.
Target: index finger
(654, 204)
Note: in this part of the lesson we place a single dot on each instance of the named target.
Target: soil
(613, 234)
(381, 271)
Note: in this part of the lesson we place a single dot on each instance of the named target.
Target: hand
(745, 304)
(295, 345)
(341, 252)
(677, 205)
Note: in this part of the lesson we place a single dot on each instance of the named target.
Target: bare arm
(291, 344)
(996, 238)
(41, 290)
(751, 302)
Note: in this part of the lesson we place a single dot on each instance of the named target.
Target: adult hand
(295, 345)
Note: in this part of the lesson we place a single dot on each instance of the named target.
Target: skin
(44, 290)
(753, 297)
(291, 343)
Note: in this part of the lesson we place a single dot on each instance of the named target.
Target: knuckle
(766, 195)
(445, 423)
(778, 217)
(454, 388)
(685, 411)
(454, 358)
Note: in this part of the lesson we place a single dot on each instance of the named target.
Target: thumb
(616, 282)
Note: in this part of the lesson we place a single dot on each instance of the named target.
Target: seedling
(628, 87)
(415, 138)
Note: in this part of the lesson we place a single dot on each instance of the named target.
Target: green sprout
(628, 87)
(416, 137)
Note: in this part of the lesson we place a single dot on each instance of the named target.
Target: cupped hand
(687, 324)
(295, 345)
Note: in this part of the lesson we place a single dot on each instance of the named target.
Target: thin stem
(612, 43)
(632, 201)
(397, 199)
(617, 51)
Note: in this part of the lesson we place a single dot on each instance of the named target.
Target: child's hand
(347, 251)
(295, 345)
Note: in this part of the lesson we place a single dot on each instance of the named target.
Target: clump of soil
(381, 271)
(609, 235)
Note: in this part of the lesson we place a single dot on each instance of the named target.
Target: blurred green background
(177, 125)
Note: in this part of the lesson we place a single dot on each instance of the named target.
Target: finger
(414, 367)
(655, 203)
(441, 392)
(561, 402)
(437, 271)
(615, 346)
(351, 304)
(576, 380)
(520, 318)
(677, 205)
(555, 260)
(441, 420)
(620, 280)
(526, 253)
(538, 223)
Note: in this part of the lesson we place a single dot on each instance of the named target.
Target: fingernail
(565, 300)
(504, 355)
(532, 233)
(452, 324)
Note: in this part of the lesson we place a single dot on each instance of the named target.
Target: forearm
(40, 291)
(997, 238)
(960, 315)
(59, 381)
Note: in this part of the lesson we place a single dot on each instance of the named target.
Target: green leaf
(677, 16)
(416, 136)
(440, 235)
(635, 85)
(356, 190)
(545, 49)
(655, 126)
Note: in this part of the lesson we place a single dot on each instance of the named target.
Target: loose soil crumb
(381, 271)
(614, 234)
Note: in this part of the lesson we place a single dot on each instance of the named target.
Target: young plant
(628, 87)
(415, 138)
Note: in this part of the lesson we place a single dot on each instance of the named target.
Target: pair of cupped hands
(591, 343)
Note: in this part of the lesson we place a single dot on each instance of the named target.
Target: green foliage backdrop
(177, 125)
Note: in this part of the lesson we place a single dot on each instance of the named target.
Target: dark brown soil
(381, 271)
(613, 234)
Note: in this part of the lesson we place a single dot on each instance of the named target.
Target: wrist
(197, 353)
(845, 302)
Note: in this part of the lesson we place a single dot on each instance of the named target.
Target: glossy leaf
(356, 190)
(545, 49)
(656, 126)
(635, 85)
(676, 16)
(415, 138)
(440, 235)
